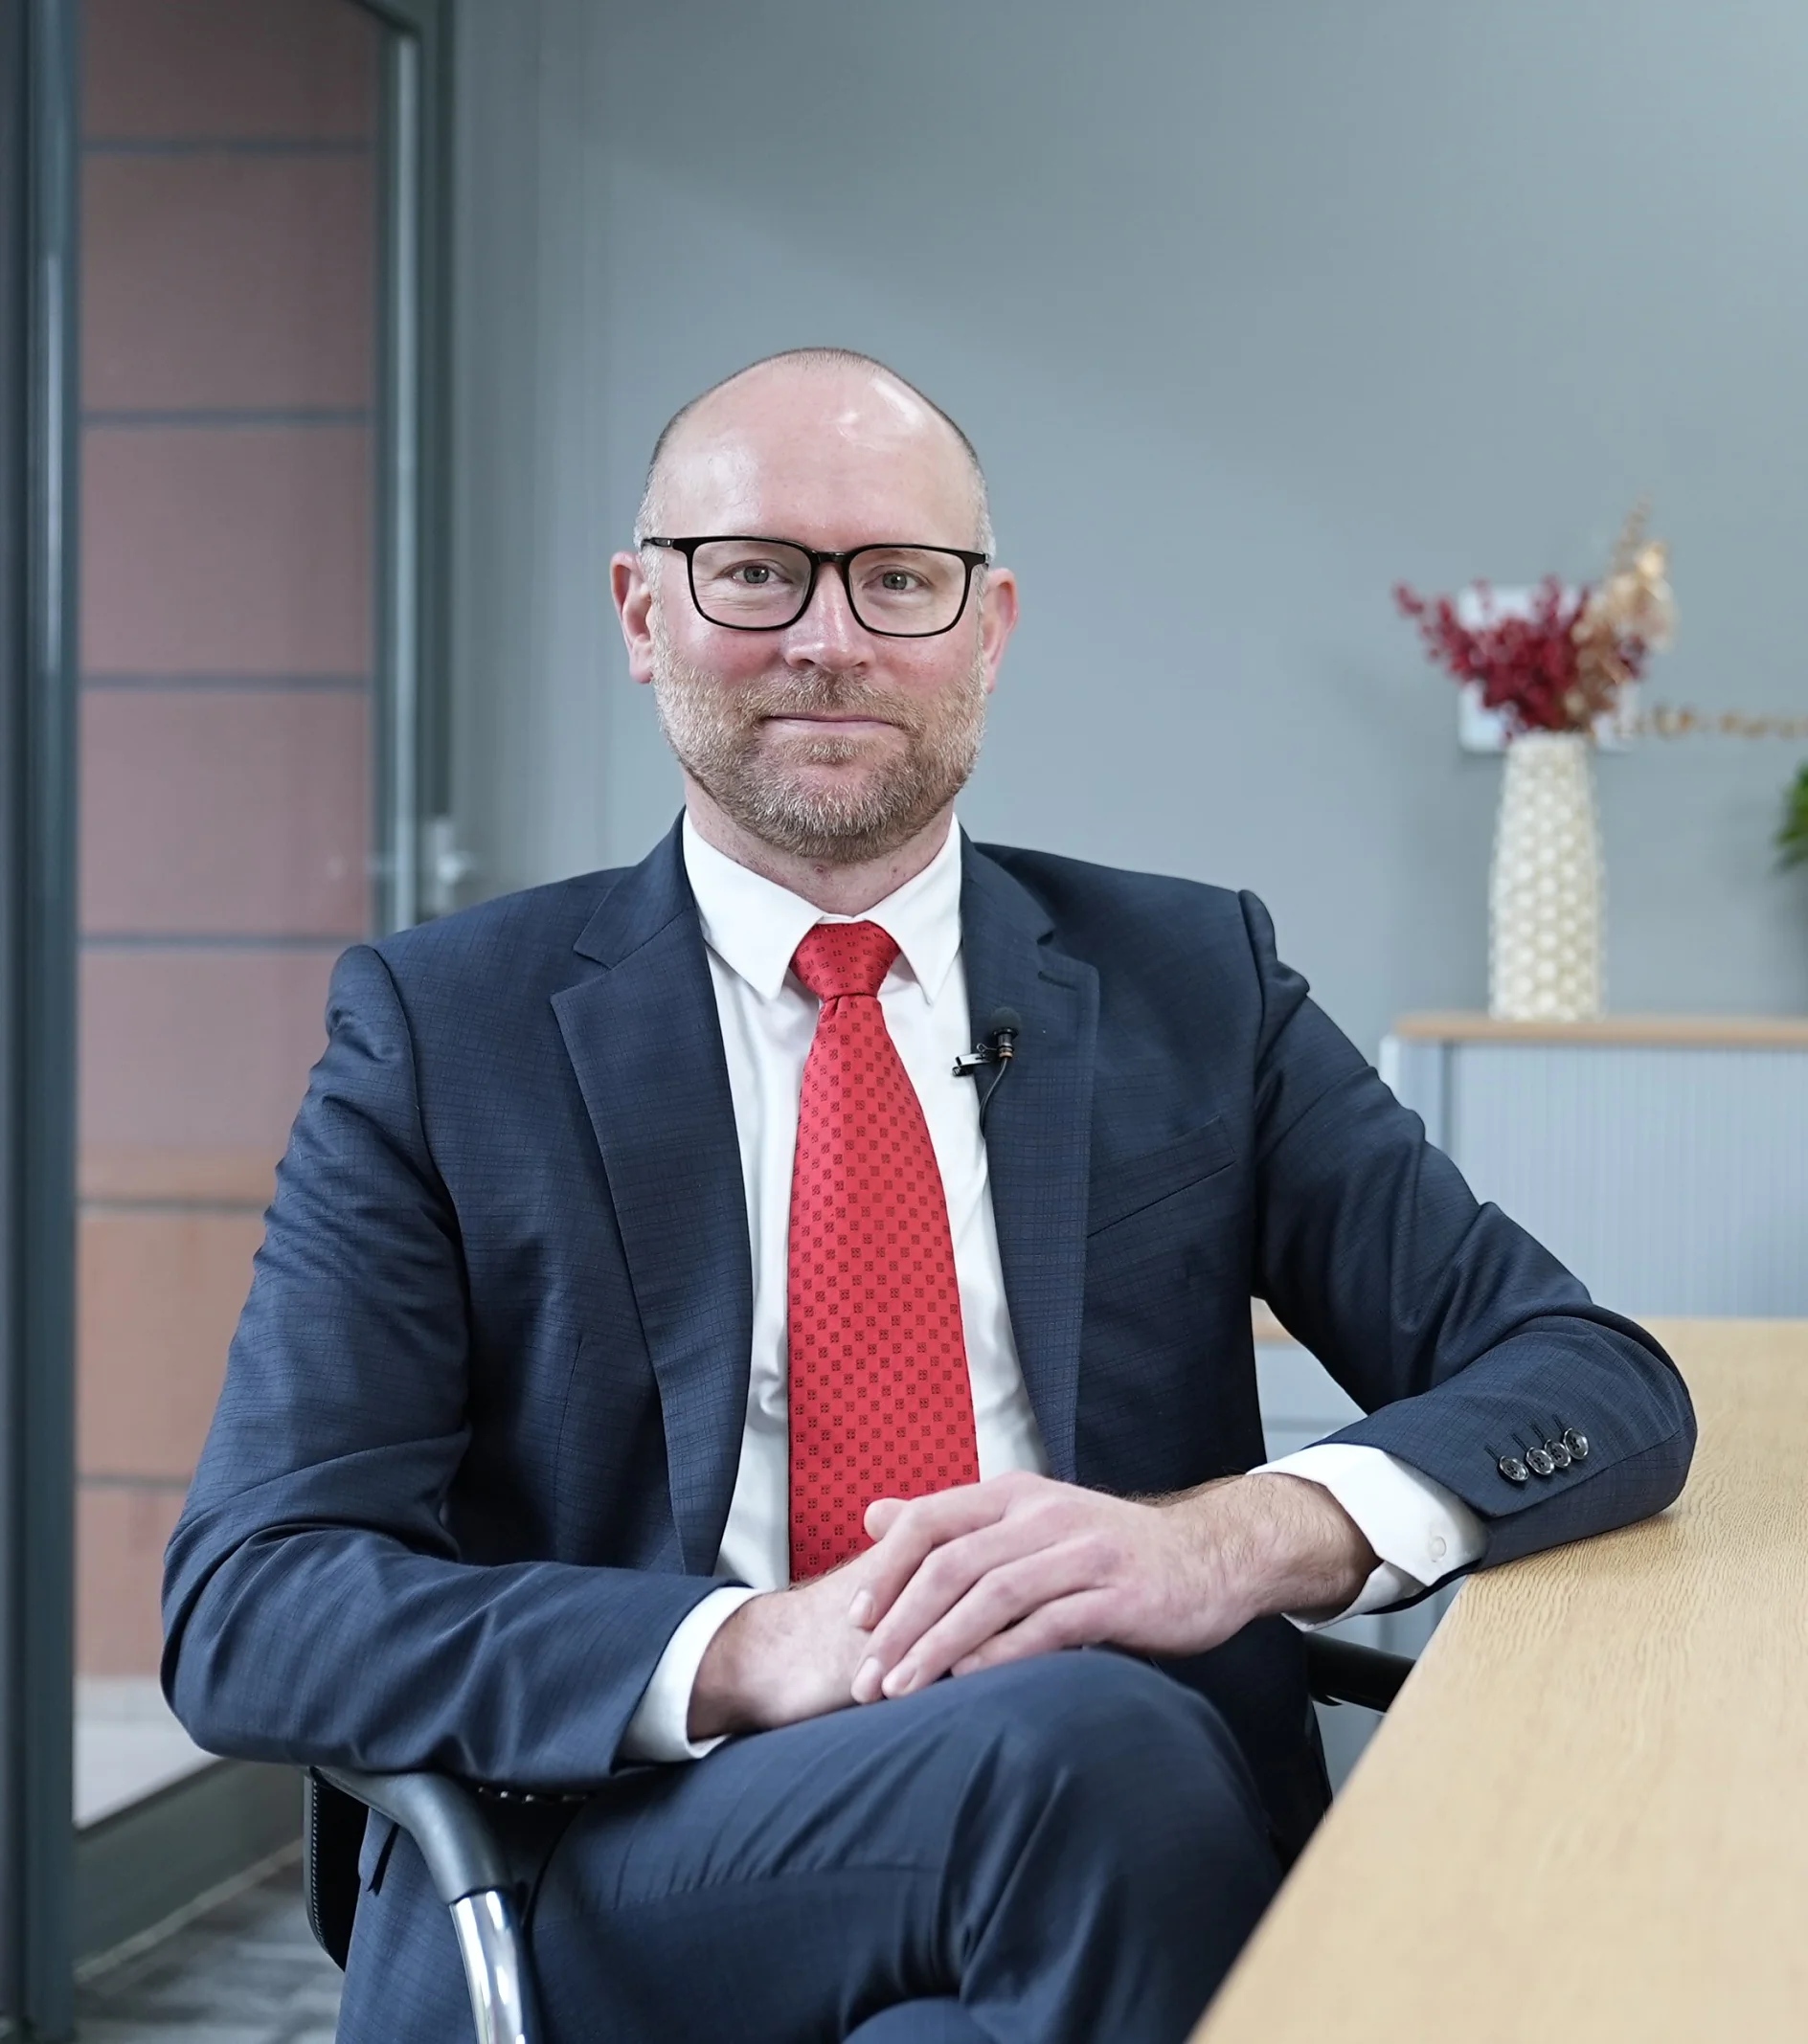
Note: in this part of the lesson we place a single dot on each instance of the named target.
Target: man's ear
(634, 600)
(998, 621)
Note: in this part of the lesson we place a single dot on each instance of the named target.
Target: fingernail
(867, 1684)
(899, 1681)
(860, 1611)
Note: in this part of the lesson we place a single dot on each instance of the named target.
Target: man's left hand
(1020, 1565)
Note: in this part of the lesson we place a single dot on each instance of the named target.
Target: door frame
(37, 1010)
(413, 780)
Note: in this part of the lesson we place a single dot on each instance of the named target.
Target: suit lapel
(644, 1042)
(1038, 1132)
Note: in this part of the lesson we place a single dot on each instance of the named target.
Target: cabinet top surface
(1739, 1032)
(1584, 1809)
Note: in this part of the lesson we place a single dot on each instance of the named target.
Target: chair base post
(495, 1960)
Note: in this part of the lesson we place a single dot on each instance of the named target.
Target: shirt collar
(754, 925)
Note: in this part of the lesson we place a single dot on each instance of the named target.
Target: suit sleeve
(315, 1606)
(1464, 1339)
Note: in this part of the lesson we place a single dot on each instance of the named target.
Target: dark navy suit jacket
(482, 1414)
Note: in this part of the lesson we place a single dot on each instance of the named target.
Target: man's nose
(828, 634)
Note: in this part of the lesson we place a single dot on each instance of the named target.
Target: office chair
(465, 1863)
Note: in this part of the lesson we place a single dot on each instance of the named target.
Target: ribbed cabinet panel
(1672, 1178)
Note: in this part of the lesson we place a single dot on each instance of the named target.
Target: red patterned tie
(880, 1402)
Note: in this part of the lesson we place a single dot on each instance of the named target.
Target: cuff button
(1559, 1454)
(1577, 1443)
(1513, 1469)
(1539, 1463)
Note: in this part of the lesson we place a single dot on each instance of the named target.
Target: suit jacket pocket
(1122, 1189)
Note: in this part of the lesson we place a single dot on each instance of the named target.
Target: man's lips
(833, 720)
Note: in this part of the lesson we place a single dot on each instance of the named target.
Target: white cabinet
(1664, 1161)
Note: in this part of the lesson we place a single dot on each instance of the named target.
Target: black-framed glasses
(748, 584)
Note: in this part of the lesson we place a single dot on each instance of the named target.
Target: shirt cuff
(1421, 1532)
(660, 1728)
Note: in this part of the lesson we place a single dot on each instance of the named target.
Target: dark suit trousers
(1070, 1848)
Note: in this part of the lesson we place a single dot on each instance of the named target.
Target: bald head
(819, 415)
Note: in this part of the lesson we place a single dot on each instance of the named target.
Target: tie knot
(841, 958)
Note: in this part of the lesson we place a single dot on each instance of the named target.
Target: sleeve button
(1513, 1469)
(1577, 1443)
(1559, 1454)
(1539, 1463)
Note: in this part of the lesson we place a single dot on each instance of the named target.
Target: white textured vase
(1546, 890)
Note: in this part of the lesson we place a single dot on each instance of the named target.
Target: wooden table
(1587, 1815)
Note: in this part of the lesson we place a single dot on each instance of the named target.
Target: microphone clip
(992, 1053)
(997, 1047)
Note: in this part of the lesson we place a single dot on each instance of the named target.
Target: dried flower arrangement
(1563, 666)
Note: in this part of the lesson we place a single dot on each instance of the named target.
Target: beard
(718, 733)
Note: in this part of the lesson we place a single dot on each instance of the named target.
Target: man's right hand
(785, 1657)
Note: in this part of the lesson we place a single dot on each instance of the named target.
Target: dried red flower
(1525, 666)
(1563, 663)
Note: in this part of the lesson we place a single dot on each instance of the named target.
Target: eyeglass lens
(907, 592)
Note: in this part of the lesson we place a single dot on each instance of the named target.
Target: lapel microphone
(990, 1058)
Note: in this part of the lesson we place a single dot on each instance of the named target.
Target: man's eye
(895, 582)
(755, 574)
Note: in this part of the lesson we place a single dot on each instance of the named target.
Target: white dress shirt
(752, 928)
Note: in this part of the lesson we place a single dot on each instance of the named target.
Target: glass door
(233, 748)
(251, 430)
(228, 731)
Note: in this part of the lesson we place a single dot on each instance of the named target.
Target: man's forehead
(826, 445)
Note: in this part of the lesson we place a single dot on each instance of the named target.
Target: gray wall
(1252, 310)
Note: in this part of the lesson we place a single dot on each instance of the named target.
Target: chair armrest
(1340, 1672)
(463, 1854)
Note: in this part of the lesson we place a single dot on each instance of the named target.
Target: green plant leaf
(1793, 838)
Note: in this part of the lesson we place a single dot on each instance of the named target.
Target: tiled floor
(247, 1973)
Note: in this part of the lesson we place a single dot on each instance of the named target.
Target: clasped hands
(1020, 1565)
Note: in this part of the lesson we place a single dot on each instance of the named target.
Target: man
(663, 1368)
